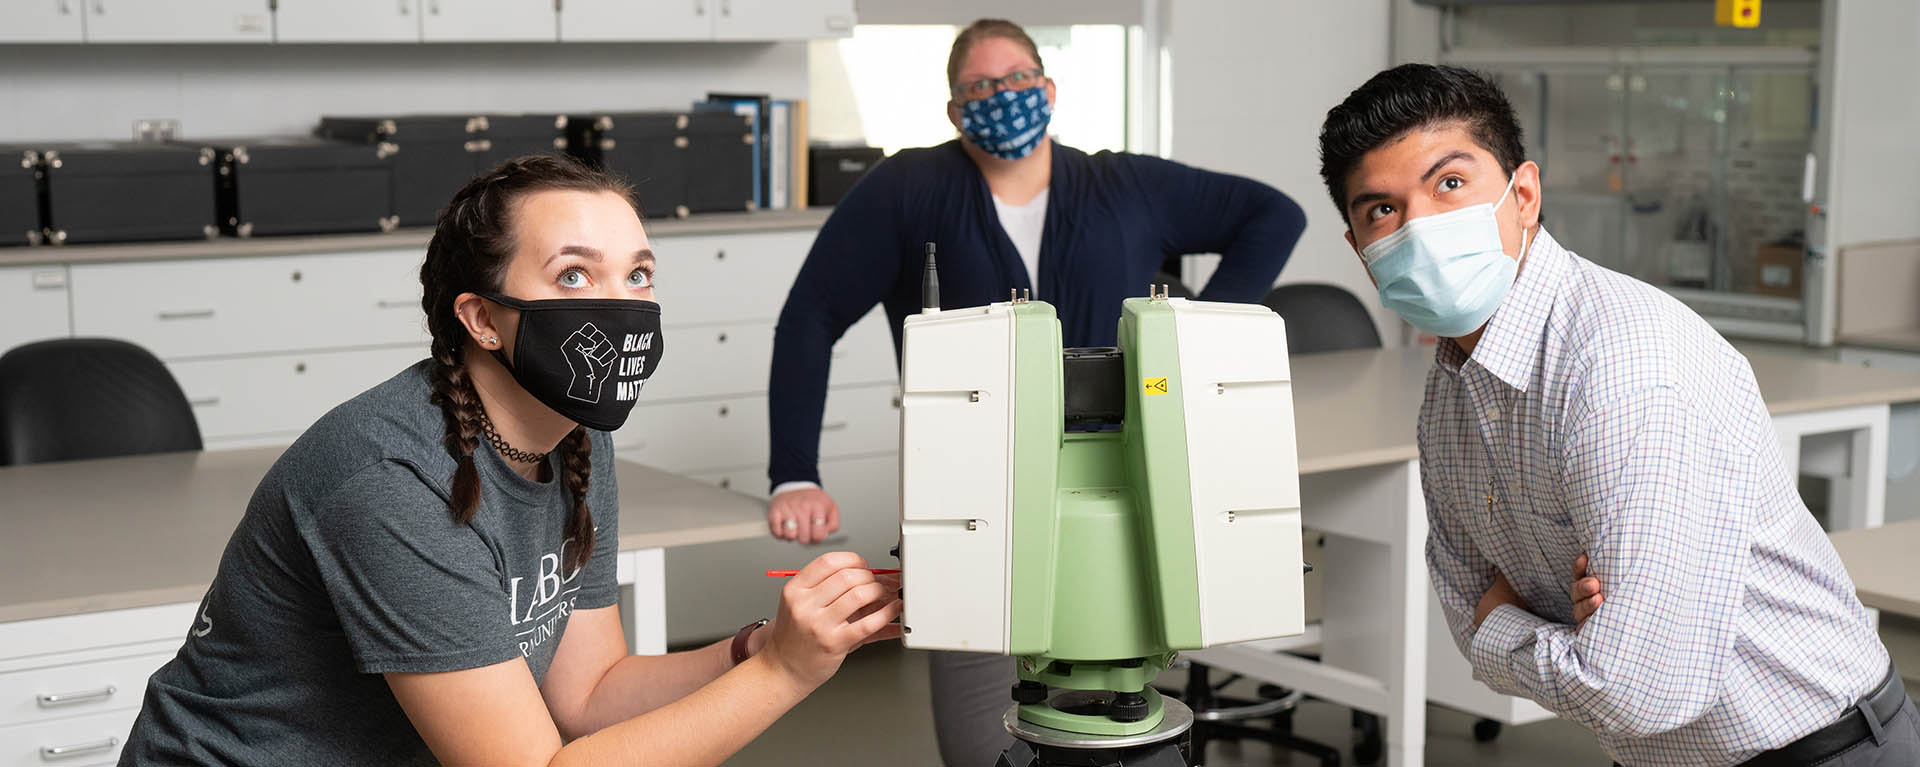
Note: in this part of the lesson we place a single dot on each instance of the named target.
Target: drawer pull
(387, 303)
(724, 411)
(49, 700)
(835, 426)
(204, 402)
(49, 753)
(720, 255)
(197, 314)
(723, 338)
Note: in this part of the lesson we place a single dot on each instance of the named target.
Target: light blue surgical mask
(1445, 273)
(1008, 124)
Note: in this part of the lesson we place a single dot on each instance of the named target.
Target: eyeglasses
(984, 87)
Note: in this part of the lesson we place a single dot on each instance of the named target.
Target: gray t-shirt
(349, 565)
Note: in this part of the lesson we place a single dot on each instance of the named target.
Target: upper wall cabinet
(183, 21)
(781, 19)
(635, 20)
(488, 21)
(42, 21)
(347, 21)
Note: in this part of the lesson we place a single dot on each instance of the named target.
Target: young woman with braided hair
(357, 614)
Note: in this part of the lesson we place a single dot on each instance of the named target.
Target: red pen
(791, 573)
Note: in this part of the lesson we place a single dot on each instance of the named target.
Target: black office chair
(72, 398)
(1322, 318)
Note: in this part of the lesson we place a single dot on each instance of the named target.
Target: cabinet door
(33, 305)
(347, 21)
(42, 21)
(187, 21)
(727, 278)
(636, 20)
(487, 21)
(782, 19)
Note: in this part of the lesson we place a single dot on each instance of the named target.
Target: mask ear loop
(1525, 242)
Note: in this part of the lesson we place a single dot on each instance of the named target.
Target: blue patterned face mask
(1008, 124)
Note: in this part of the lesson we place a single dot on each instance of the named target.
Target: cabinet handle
(723, 338)
(99, 7)
(393, 303)
(835, 426)
(66, 7)
(48, 700)
(78, 749)
(724, 411)
(406, 7)
(433, 7)
(197, 314)
(699, 7)
(204, 402)
(726, 7)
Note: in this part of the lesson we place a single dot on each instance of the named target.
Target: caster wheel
(1486, 730)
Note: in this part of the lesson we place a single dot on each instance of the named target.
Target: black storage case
(119, 191)
(20, 186)
(302, 185)
(678, 162)
(434, 155)
(832, 171)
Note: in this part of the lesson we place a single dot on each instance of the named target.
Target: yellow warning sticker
(1156, 386)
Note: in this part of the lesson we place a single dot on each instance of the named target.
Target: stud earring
(489, 340)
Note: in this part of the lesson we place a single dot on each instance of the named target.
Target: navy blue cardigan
(1112, 220)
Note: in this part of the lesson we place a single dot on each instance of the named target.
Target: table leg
(642, 575)
(1856, 460)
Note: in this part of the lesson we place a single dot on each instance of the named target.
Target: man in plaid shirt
(1614, 533)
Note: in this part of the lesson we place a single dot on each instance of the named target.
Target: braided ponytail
(471, 249)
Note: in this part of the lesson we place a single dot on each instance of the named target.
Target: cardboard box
(1776, 270)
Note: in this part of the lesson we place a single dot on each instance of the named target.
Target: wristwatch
(740, 640)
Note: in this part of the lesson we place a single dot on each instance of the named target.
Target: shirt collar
(1509, 348)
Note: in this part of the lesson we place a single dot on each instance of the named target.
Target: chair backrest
(1322, 318)
(73, 398)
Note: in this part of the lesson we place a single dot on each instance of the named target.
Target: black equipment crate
(434, 155)
(678, 162)
(302, 185)
(20, 185)
(833, 170)
(119, 192)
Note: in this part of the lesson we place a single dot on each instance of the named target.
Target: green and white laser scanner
(1093, 511)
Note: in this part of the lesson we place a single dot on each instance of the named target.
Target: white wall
(1251, 83)
(1874, 185)
(98, 91)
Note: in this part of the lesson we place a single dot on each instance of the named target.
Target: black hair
(471, 247)
(1410, 97)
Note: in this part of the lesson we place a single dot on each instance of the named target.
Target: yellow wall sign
(1736, 13)
(1156, 386)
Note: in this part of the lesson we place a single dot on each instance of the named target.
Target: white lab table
(1384, 647)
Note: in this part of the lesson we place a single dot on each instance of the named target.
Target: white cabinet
(706, 279)
(70, 686)
(35, 301)
(782, 19)
(187, 21)
(347, 21)
(271, 399)
(635, 20)
(42, 21)
(488, 21)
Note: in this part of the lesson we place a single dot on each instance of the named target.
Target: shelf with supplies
(428, 21)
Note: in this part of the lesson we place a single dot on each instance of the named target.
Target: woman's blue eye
(573, 278)
(639, 279)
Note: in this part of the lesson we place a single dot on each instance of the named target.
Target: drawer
(750, 481)
(712, 360)
(865, 353)
(714, 588)
(282, 393)
(33, 305)
(84, 740)
(729, 278)
(57, 692)
(686, 437)
(208, 307)
(860, 420)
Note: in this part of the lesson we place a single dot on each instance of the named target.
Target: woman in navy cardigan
(1003, 205)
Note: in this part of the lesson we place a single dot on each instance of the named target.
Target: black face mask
(584, 357)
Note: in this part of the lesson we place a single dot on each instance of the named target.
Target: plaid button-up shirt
(1598, 415)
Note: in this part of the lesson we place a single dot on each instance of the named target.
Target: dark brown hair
(1410, 97)
(471, 248)
(981, 30)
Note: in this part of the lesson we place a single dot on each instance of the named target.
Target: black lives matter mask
(584, 357)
